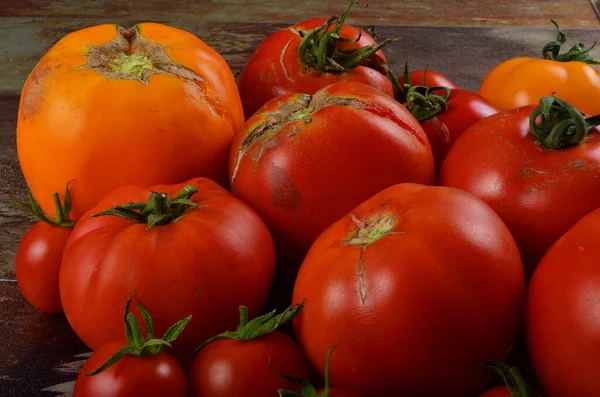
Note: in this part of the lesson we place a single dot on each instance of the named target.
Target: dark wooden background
(39, 355)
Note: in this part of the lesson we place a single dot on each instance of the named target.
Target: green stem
(158, 210)
(512, 378)
(577, 53)
(558, 125)
(62, 209)
(319, 50)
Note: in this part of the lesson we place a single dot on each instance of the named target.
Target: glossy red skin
(151, 376)
(37, 265)
(434, 79)
(228, 367)
(538, 193)
(312, 173)
(447, 287)
(465, 108)
(213, 259)
(275, 67)
(562, 313)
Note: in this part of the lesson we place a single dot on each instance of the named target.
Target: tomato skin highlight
(444, 284)
(275, 67)
(207, 263)
(153, 376)
(539, 193)
(227, 367)
(562, 305)
(37, 265)
(310, 171)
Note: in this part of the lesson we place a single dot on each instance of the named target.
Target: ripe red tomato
(411, 280)
(563, 303)
(304, 161)
(38, 257)
(136, 367)
(287, 62)
(540, 189)
(204, 259)
(238, 364)
(428, 78)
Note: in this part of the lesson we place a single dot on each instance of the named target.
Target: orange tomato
(523, 81)
(108, 106)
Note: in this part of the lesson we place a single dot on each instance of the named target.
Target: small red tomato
(40, 252)
(428, 78)
(308, 390)
(137, 368)
(309, 56)
(238, 364)
(537, 167)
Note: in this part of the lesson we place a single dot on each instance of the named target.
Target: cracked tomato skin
(317, 165)
(563, 303)
(539, 193)
(102, 132)
(207, 263)
(275, 67)
(412, 279)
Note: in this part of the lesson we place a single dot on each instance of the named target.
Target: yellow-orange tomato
(108, 106)
(523, 81)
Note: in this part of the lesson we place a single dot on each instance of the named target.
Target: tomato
(303, 161)
(539, 186)
(562, 313)
(239, 364)
(137, 367)
(108, 106)
(38, 257)
(286, 62)
(418, 285)
(514, 384)
(524, 80)
(428, 78)
(203, 257)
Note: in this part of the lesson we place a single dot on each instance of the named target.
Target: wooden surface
(462, 39)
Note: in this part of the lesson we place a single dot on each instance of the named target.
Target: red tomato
(499, 391)
(538, 192)
(234, 368)
(204, 260)
(563, 303)
(303, 161)
(284, 63)
(152, 376)
(411, 280)
(38, 257)
(432, 78)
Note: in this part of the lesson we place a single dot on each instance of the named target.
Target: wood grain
(572, 13)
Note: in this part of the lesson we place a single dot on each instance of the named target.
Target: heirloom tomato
(38, 257)
(108, 106)
(537, 167)
(238, 364)
(303, 161)
(524, 81)
(309, 56)
(418, 285)
(563, 303)
(184, 249)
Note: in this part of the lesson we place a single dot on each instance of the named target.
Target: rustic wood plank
(571, 13)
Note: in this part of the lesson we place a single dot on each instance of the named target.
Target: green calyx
(62, 209)
(136, 344)
(370, 230)
(577, 53)
(307, 389)
(160, 209)
(130, 64)
(319, 50)
(512, 378)
(257, 327)
(423, 102)
(560, 125)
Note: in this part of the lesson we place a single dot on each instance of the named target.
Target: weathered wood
(573, 13)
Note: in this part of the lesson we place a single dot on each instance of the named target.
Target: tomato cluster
(414, 236)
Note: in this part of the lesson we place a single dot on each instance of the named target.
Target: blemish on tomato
(33, 95)
(283, 191)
